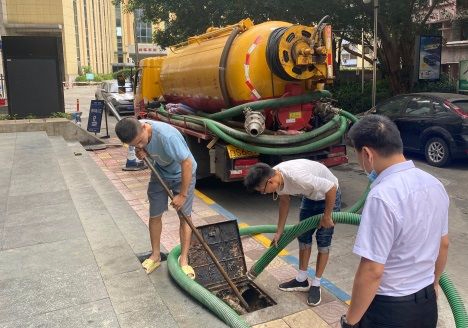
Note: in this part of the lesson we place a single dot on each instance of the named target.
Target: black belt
(425, 293)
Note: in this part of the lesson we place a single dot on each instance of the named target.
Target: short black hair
(377, 132)
(257, 174)
(127, 129)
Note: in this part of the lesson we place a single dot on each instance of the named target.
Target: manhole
(224, 240)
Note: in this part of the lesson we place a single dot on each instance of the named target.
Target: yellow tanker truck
(247, 93)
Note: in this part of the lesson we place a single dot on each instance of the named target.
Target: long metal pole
(362, 60)
(186, 219)
(374, 69)
(135, 33)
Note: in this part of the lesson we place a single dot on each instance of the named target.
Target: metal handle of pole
(190, 224)
(198, 235)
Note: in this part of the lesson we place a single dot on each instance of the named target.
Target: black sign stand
(95, 116)
(107, 136)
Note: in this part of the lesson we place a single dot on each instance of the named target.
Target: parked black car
(434, 124)
(120, 96)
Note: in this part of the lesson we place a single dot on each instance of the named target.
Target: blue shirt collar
(392, 169)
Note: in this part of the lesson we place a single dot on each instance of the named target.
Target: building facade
(95, 33)
(451, 18)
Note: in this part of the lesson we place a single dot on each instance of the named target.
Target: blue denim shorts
(158, 197)
(310, 208)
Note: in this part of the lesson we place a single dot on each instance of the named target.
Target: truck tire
(437, 152)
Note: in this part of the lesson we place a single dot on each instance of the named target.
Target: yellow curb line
(204, 197)
(263, 240)
(260, 238)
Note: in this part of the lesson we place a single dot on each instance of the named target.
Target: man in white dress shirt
(320, 194)
(403, 236)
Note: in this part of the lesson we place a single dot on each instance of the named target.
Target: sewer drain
(224, 240)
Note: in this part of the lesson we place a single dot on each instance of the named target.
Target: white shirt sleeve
(377, 230)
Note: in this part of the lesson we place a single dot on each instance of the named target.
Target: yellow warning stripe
(204, 197)
(260, 238)
(263, 240)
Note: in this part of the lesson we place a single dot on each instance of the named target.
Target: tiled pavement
(132, 186)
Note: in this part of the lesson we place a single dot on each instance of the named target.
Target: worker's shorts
(324, 235)
(158, 197)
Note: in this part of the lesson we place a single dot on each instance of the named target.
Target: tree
(400, 22)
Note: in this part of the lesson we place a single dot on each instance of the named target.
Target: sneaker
(294, 286)
(315, 296)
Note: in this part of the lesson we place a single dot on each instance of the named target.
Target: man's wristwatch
(345, 324)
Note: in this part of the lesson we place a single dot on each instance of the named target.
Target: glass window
(114, 87)
(418, 106)
(392, 107)
(439, 107)
(463, 105)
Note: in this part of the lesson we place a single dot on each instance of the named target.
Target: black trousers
(418, 310)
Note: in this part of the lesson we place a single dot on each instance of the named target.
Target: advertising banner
(430, 49)
(95, 116)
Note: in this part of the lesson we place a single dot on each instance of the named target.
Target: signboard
(147, 49)
(89, 76)
(463, 81)
(430, 48)
(95, 116)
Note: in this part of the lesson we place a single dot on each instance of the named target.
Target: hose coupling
(254, 122)
(251, 275)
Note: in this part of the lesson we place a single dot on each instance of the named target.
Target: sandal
(150, 265)
(188, 270)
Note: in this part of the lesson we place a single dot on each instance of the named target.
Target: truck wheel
(437, 152)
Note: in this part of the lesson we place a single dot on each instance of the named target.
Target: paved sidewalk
(71, 232)
(132, 185)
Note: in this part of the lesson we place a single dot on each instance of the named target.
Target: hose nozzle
(254, 122)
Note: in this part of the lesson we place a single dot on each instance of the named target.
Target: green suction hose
(243, 136)
(291, 233)
(231, 318)
(281, 151)
(455, 301)
(221, 309)
(278, 139)
(268, 103)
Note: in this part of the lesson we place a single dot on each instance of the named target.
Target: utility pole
(362, 60)
(135, 35)
(374, 57)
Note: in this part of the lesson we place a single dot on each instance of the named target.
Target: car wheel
(437, 152)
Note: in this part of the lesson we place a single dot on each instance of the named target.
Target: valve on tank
(254, 122)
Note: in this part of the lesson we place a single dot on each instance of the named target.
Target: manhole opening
(224, 240)
(256, 298)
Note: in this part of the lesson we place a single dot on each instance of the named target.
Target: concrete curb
(53, 127)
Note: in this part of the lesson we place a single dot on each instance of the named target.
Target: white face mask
(370, 175)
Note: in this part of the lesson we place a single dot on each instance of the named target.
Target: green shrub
(442, 85)
(126, 72)
(351, 98)
(108, 76)
(86, 69)
(60, 115)
(81, 78)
